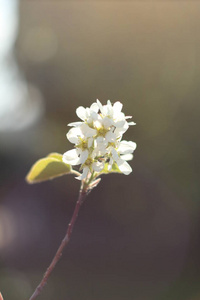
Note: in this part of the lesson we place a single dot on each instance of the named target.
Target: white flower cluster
(98, 141)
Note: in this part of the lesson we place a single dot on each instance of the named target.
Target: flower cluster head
(98, 139)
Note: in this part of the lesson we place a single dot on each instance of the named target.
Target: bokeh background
(138, 236)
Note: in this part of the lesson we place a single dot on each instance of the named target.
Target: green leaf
(114, 169)
(48, 168)
(55, 155)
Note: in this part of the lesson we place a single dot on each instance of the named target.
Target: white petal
(87, 111)
(110, 136)
(72, 139)
(81, 112)
(118, 133)
(84, 174)
(94, 115)
(87, 131)
(98, 166)
(120, 123)
(94, 107)
(107, 122)
(75, 124)
(100, 106)
(100, 140)
(121, 130)
(98, 123)
(83, 156)
(101, 145)
(115, 155)
(90, 142)
(126, 147)
(109, 103)
(127, 156)
(103, 108)
(109, 109)
(131, 123)
(73, 135)
(71, 157)
(125, 168)
(117, 107)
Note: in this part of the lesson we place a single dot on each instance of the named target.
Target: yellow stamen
(102, 131)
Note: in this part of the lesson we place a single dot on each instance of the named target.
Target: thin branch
(63, 244)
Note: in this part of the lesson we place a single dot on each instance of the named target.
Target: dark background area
(137, 236)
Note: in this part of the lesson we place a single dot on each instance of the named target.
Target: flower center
(83, 145)
(88, 163)
(102, 131)
(111, 144)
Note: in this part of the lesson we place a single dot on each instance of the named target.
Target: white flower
(95, 166)
(116, 116)
(87, 115)
(126, 147)
(104, 130)
(91, 164)
(121, 153)
(124, 167)
(97, 139)
(75, 157)
(81, 135)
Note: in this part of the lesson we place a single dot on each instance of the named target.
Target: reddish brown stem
(64, 242)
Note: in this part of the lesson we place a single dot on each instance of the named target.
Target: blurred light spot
(40, 44)
(20, 106)
(8, 25)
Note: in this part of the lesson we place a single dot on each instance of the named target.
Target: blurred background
(137, 236)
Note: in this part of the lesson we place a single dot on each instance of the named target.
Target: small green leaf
(55, 155)
(115, 169)
(48, 168)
